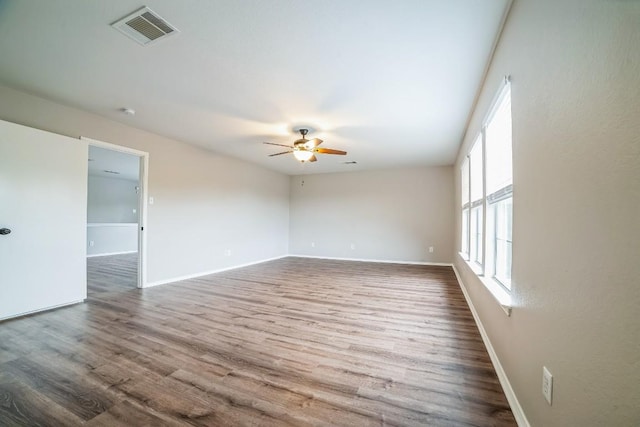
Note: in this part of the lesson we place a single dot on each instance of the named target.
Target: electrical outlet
(353, 246)
(547, 384)
(313, 244)
(91, 242)
(430, 249)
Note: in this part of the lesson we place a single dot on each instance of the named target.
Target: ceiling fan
(304, 149)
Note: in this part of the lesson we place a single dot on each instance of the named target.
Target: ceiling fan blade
(312, 143)
(329, 151)
(281, 145)
(312, 159)
(278, 154)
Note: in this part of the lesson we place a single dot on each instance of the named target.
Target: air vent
(145, 27)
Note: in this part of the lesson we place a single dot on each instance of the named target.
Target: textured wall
(393, 215)
(575, 68)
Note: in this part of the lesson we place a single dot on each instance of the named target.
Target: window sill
(499, 293)
(495, 289)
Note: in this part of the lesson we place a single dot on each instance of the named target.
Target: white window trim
(499, 293)
(495, 288)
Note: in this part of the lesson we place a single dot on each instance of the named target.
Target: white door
(43, 199)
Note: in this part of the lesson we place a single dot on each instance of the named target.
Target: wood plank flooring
(289, 342)
(113, 273)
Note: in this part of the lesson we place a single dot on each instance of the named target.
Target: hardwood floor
(113, 273)
(289, 342)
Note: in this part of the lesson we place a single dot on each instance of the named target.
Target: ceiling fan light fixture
(303, 155)
(304, 150)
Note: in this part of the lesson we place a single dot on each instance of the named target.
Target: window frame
(495, 239)
(487, 269)
(476, 255)
(492, 199)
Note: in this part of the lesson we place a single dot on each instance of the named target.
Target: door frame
(142, 202)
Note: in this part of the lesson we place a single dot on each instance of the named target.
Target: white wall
(111, 238)
(392, 215)
(112, 200)
(204, 203)
(112, 215)
(575, 68)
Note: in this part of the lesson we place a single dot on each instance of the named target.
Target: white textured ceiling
(391, 82)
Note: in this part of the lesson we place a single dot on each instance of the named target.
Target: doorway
(116, 217)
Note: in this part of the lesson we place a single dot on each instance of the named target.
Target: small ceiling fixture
(305, 149)
(128, 111)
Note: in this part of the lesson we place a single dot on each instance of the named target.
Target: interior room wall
(575, 68)
(112, 200)
(388, 215)
(112, 216)
(111, 238)
(206, 205)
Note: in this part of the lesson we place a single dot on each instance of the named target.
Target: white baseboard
(516, 408)
(40, 310)
(444, 264)
(112, 253)
(206, 273)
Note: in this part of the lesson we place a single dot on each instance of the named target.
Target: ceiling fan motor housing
(303, 140)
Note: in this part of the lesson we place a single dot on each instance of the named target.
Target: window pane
(475, 159)
(478, 230)
(465, 232)
(498, 180)
(498, 145)
(476, 235)
(465, 181)
(503, 240)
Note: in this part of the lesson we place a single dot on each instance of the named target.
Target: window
(502, 241)
(476, 196)
(487, 195)
(499, 177)
(464, 245)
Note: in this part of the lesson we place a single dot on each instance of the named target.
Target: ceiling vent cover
(145, 26)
